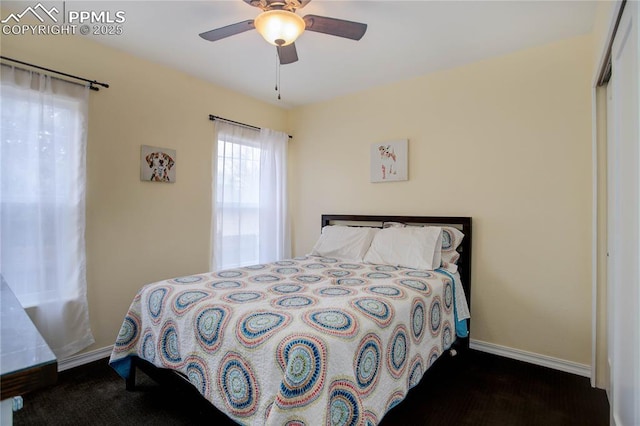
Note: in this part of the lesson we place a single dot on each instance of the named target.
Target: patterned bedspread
(298, 342)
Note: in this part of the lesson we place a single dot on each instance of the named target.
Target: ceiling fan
(280, 25)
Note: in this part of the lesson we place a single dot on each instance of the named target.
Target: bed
(310, 340)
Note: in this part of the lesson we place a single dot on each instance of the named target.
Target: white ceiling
(404, 39)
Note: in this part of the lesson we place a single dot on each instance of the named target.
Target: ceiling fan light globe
(279, 27)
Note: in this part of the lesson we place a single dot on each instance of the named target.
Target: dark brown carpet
(474, 388)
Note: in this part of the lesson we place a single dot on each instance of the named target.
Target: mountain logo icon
(39, 11)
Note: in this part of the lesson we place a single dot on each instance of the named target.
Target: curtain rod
(249, 126)
(91, 82)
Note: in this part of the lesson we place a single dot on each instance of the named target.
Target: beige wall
(506, 141)
(138, 232)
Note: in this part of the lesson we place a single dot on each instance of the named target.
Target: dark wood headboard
(461, 223)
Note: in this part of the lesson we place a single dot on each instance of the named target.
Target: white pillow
(410, 247)
(451, 240)
(344, 242)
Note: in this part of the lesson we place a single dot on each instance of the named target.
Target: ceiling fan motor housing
(279, 27)
(288, 5)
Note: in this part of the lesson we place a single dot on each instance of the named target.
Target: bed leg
(130, 382)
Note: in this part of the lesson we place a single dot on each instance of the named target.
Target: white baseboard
(532, 358)
(84, 358)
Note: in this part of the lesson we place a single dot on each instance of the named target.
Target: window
(237, 201)
(37, 192)
(42, 184)
(249, 223)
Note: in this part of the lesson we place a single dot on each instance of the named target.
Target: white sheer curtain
(42, 194)
(250, 222)
(275, 241)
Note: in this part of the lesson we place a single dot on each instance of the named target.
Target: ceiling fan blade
(254, 3)
(287, 54)
(229, 30)
(336, 27)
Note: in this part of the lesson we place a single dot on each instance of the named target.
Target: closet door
(624, 223)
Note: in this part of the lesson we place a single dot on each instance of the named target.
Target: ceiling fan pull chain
(277, 60)
(279, 84)
(278, 74)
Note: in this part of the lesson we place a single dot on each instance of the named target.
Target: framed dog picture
(390, 161)
(157, 164)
